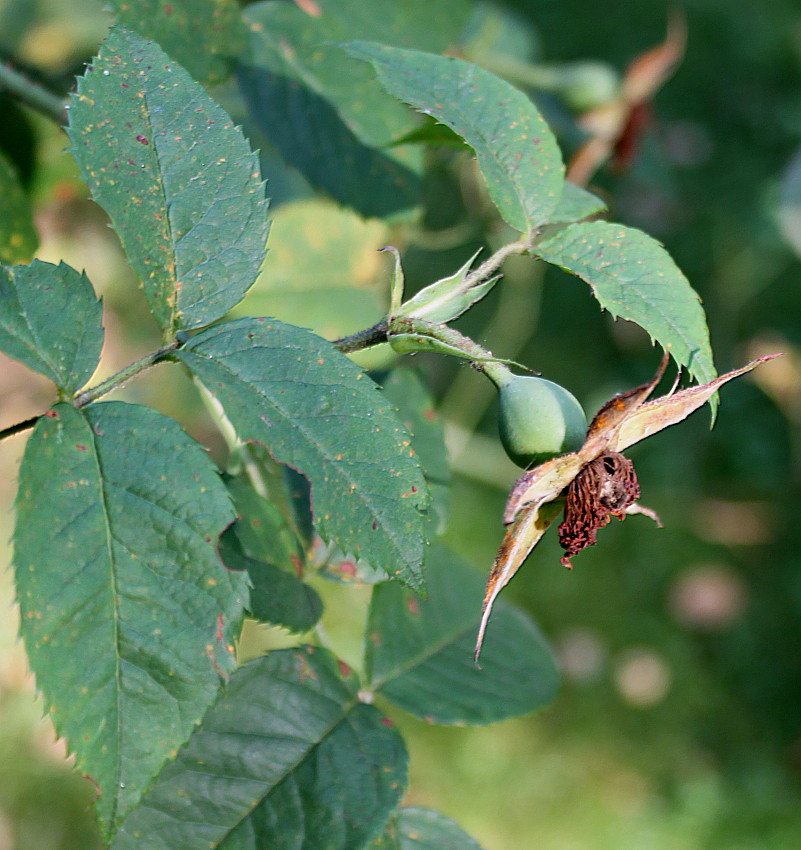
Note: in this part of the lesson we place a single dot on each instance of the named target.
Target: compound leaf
(50, 321)
(127, 613)
(420, 653)
(516, 150)
(176, 177)
(290, 391)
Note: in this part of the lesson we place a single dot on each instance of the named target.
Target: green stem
(367, 338)
(32, 94)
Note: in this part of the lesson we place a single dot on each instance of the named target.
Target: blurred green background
(679, 721)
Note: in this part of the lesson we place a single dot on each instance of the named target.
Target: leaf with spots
(635, 278)
(127, 612)
(516, 150)
(420, 652)
(176, 177)
(314, 410)
(50, 321)
(17, 237)
(205, 36)
(413, 828)
(286, 758)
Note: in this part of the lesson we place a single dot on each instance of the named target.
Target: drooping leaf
(50, 321)
(127, 613)
(17, 237)
(276, 596)
(420, 653)
(176, 177)
(325, 114)
(634, 278)
(283, 722)
(205, 36)
(515, 149)
(575, 204)
(290, 391)
(338, 798)
(412, 828)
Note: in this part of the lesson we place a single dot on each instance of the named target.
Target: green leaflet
(176, 177)
(516, 150)
(205, 36)
(287, 727)
(413, 828)
(290, 391)
(575, 204)
(127, 613)
(634, 278)
(420, 653)
(17, 237)
(50, 321)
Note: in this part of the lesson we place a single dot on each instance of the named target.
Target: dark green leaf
(576, 203)
(286, 725)
(290, 391)
(17, 237)
(276, 597)
(338, 798)
(634, 278)
(50, 321)
(177, 179)
(515, 149)
(205, 36)
(421, 829)
(420, 653)
(326, 115)
(128, 615)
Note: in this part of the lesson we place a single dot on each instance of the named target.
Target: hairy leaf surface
(50, 321)
(176, 177)
(420, 653)
(128, 615)
(516, 150)
(317, 412)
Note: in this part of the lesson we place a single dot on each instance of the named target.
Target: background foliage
(677, 723)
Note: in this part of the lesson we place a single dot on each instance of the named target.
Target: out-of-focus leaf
(338, 798)
(323, 270)
(634, 278)
(497, 31)
(325, 114)
(50, 321)
(420, 653)
(413, 828)
(790, 203)
(176, 177)
(17, 237)
(575, 204)
(405, 389)
(291, 392)
(128, 615)
(205, 36)
(285, 727)
(515, 149)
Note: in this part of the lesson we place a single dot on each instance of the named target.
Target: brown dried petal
(605, 486)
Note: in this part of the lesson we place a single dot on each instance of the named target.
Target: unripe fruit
(538, 420)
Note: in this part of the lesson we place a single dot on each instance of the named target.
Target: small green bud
(538, 420)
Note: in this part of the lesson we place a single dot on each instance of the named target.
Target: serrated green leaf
(636, 279)
(282, 722)
(338, 798)
(413, 828)
(18, 239)
(50, 320)
(290, 391)
(575, 204)
(276, 597)
(405, 389)
(420, 653)
(326, 115)
(176, 177)
(516, 150)
(205, 36)
(127, 613)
